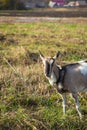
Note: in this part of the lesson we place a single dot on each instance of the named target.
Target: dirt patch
(31, 58)
(8, 39)
(5, 19)
(48, 12)
(2, 37)
(45, 15)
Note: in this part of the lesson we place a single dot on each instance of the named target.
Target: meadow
(27, 101)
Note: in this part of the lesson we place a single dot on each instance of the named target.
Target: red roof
(59, 1)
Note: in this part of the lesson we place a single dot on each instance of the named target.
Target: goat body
(74, 78)
(71, 78)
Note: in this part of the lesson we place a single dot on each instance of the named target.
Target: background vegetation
(27, 101)
(21, 4)
(11, 4)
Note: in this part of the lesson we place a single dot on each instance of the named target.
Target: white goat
(71, 78)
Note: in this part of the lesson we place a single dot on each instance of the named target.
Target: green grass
(27, 101)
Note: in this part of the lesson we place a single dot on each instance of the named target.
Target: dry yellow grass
(27, 101)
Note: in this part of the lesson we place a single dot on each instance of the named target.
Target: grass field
(27, 101)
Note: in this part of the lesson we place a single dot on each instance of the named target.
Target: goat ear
(57, 55)
(41, 56)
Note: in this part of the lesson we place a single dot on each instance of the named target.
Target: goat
(70, 78)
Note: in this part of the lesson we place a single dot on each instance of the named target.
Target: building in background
(45, 3)
(67, 3)
(27, 4)
(35, 3)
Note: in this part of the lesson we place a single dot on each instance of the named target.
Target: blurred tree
(12, 4)
(8, 4)
(4, 4)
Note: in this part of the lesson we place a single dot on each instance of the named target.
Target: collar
(61, 80)
(61, 76)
